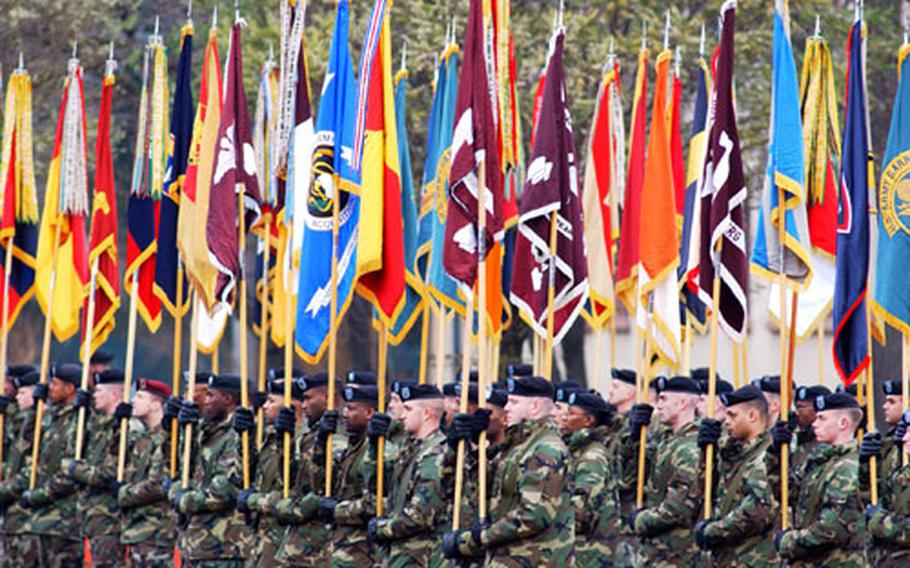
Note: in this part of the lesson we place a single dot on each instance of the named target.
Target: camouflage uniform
(532, 521)
(97, 475)
(889, 527)
(413, 528)
(147, 520)
(625, 471)
(15, 480)
(828, 518)
(52, 529)
(217, 534)
(269, 489)
(594, 498)
(805, 444)
(741, 530)
(673, 497)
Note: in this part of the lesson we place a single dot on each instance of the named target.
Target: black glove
(171, 410)
(373, 531)
(777, 538)
(781, 434)
(701, 540)
(83, 400)
(5, 401)
(900, 431)
(244, 419)
(40, 392)
(25, 501)
(461, 429)
(630, 518)
(480, 421)
(71, 468)
(124, 410)
(175, 502)
(189, 413)
(328, 424)
(379, 426)
(871, 510)
(114, 486)
(326, 511)
(166, 484)
(258, 399)
(286, 421)
(640, 416)
(708, 432)
(243, 500)
(870, 446)
(450, 545)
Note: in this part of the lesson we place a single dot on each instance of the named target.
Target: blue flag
(851, 333)
(333, 177)
(178, 150)
(892, 303)
(434, 200)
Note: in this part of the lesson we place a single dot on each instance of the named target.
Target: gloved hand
(900, 430)
(166, 484)
(69, 466)
(778, 536)
(171, 410)
(701, 540)
(124, 410)
(177, 496)
(630, 518)
(871, 510)
(708, 432)
(639, 417)
(326, 511)
(5, 401)
(40, 392)
(328, 424)
(243, 500)
(189, 413)
(461, 429)
(781, 434)
(379, 426)
(83, 400)
(25, 501)
(244, 420)
(373, 530)
(870, 446)
(285, 421)
(258, 399)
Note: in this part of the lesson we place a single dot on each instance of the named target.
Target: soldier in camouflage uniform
(700, 375)
(739, 535)
(673, 491)
(770, 386)
(531, 519)
(268, 487)
(147, 522)
(16, 463)
(217, 535)
(414, 522)
(804, 442)
(622, 398)
(828, 523)
(584, 427)
(889, 521)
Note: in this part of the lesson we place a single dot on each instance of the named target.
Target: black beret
(109, 377)
(906, 417)
(27, 380)
(101, 357)
(361, 378)
(202, 377)
(701, 374)
(720, 386)
(19, 370)
(449, 389)
(893, 387)
(590, 402)
(624, 375)
(368, 394)
(68, 372)
(679, 383)
(530, 386)
(743, 394)
(851, 390)
(566, 387)
(519, 370)
(415, 391)
(278, 373)
(275, 385)
(768, 383)
(472, 392)
(314, 381)
(835, 401)
(497, 397)
(397, 385)
(808, 394)
(474, 376)
(657, 383)
(226, 383)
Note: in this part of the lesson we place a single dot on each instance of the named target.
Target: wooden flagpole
(687, 345)
(821, 351)
(643, 379)
(712, 392)
(441, 320)
(598, 381)
(870, 409)
(288, 359)
(424, 339)
(263, 329)
(462, 407)
(191, 388)
(482, 353)
(784, 390)
(737, 361)
(178, 359)
(128, 374)
(215, 359)
(4, 340)
(613, 339)
(380, 442)
(86, 358)
(45, 359)
(333, 332)
(244, 371)
(551, 293)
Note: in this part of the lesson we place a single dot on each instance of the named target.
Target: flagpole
(45, 358)
(598, 359)
(442, 316)
(333, 335)
(870, 411)
(463, 408)
(424, 340)
(380, 442)
(4, 340)
(737, 361)
(784, 391)
(215, 365)
(643, 378)
(288, 358)
(190, 390)
(905, 382)
(613, 339)
(175, 368)
(128, 374)
(482, 359)
(86, 358)
(712, 389)
(263, 329)
(687, 357)
(244, 372)
(551, 293)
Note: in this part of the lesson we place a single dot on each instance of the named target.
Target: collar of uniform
(823, 453)
(734, 451)
(213, 428)
(586, 436)
(688, 428)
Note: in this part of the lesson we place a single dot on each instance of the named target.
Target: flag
(19, 220)
(603, 178)
(723, 198)
(148, 182)
(103, 233)
(474, 140)
(625, 280)
(677, 162)
(690, 246)
(785, 173)
(658, 240)
(551, 187)
(380, 245)
(509, 121)
(891, 302)
(821, 144)
(851, 334)
(178, 148)
(195, 198)
(333, 178)
(66, 206)
(434, 200)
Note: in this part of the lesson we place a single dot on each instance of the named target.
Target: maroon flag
(551, 186)
(474, 140)
(235, 163)
(723, 198)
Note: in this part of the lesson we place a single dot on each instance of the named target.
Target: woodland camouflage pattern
(16, 466)
(145, 512)
(889, 526)
(594, 498)
(268, 490)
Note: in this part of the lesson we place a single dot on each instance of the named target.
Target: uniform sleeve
(420, 513)
(541, 485)
(359, 511)
(149, 489)
(752, 513)
(296, 511)
(680, 505)
(590, 485)
(891, 527)
(221, 493)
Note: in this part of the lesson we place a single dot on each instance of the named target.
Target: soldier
(147, 523)
(700, 375)
(216, 534)
(770, 386)
(306, 539)
(96, 473)
(398, 435)
(828, 518)
(52, 538)
(268, 486)
(805, 416)
(99, 362)
(889, 520)
(584, 427)
(531, 518)
(739, 533)
(416, 503)
(561, 392)
(887, 448)
(673, 492)
(622, 398)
